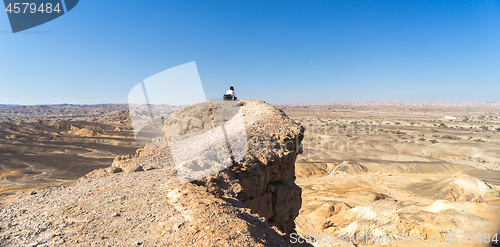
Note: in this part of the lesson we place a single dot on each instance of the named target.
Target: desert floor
(39, 149)
(415, 172)
(399, 171)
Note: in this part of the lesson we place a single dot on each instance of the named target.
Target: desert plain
(377, 170)
(412, 171)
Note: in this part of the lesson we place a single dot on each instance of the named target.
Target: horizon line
(346, 102)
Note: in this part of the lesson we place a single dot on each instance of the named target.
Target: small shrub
(433, 141)
(450, 137)
(399, 132)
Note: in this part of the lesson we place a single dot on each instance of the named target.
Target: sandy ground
(142, 200)
(399, 171)
(36, 153)
(378, 170)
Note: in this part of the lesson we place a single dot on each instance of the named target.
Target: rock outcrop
(141, 199)
(263, 179)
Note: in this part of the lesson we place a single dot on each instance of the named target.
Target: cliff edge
(141, 199)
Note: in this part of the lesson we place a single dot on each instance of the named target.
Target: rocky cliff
(265, 176)
(141, 199)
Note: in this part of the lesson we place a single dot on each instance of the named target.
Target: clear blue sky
(278, 51)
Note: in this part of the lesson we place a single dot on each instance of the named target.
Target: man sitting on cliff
(230, 94)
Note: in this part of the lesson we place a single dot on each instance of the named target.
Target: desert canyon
(75, 176)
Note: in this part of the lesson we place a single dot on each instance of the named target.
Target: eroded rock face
(263, 178)
(140, 200)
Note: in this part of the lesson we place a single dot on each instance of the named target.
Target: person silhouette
(230, 95)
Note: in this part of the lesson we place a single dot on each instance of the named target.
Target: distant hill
(440, 103)
(67, 111)
(14, 112)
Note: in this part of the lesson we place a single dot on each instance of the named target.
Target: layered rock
(141, 199)
(262, 178)
(265, 176)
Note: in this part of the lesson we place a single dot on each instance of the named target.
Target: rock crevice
(263, 179)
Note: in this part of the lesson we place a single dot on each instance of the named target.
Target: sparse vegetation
(433, 141)
(450, 137)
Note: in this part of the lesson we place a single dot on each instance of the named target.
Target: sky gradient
(277, 51)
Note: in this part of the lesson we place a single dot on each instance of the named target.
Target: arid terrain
(380, 170)
(399, 171)
(140, 200)
(52, 145)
